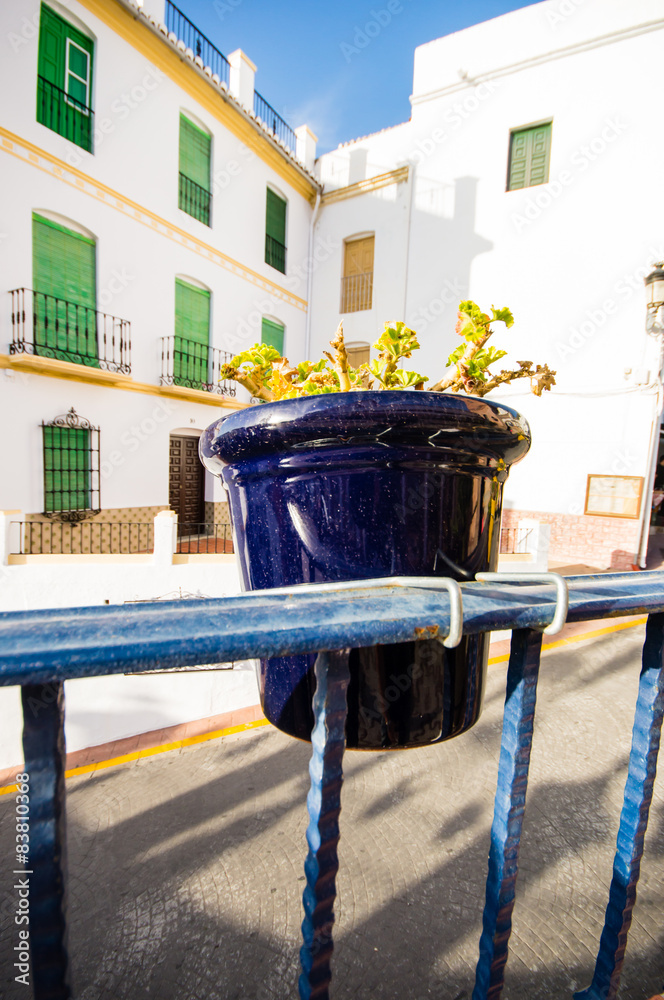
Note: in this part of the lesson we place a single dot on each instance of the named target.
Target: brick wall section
(604, 542)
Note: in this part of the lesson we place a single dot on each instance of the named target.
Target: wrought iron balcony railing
(274, 122)
(356, 292)
(62, 113)
(194, 200)
(40, 650)
(195, 537)
(194, 366)
(187, 32)
(275, 254)
(50, 327)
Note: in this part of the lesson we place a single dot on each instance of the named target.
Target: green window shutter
(66, 468)
(530, 151)
(275, 217)
(194, 194)
(64, 86)
(273, 334)
(52, 43)
(192, 335)
(65, 301)
(275, 231)
(195, 146)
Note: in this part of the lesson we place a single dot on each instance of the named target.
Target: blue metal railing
(200, 45)
(274, 121)
(41, 649)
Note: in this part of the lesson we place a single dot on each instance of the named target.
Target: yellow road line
(577, 638)
(151, 751)
(193, 740)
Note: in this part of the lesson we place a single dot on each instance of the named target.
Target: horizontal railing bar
(56, 644)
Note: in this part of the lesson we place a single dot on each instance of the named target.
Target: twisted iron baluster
(324, 804)
(509, 808)
(633, 818)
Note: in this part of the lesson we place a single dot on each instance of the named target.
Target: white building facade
(527, 176)
(138, 248)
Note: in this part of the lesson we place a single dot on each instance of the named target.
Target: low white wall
(102, 709)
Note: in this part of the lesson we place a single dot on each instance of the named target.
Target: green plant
(270, 377)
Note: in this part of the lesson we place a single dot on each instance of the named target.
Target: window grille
(71, 468)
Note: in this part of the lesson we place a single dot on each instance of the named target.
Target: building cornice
(540, 60)
(152, 41)
(52, 368)
(32, 155)
(397, 176)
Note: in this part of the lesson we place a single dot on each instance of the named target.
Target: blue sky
(314, 67)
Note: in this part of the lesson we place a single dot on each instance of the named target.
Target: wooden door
(186, 484)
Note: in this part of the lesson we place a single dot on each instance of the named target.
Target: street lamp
(654, 283)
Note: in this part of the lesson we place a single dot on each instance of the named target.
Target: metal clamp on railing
(560, 583)
(422, 582)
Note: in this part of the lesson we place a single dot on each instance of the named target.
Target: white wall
(102, 709)
(567, 257)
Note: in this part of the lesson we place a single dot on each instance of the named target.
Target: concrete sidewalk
(186, 867)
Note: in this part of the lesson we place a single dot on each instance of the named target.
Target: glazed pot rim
(432, 420)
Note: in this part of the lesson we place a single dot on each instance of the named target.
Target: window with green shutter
(64, 79)
(64, 293)
(275, 231)
(192, 335)
(71, 467)
(273, 334)
(194, 185)
(530, 150)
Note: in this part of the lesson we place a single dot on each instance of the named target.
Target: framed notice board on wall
(614, 496)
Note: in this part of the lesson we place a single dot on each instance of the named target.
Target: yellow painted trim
(154, 46)
(183, 558)
(594, 634)
(364, 187)
(153, 751)
(33, 156)
(52, 368)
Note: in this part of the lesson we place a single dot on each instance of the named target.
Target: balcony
(194, 366)
(277, 125)
(187, 32)
(50, 327)
(275, 254)
(356, 292)
(65, 115)
(194, 200)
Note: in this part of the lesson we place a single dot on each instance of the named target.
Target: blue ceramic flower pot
(349, 486)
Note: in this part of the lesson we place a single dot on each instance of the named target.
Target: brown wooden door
(186, 484)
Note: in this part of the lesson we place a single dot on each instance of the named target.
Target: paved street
(186, 867)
